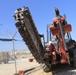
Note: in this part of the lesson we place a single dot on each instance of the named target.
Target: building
(4, 57)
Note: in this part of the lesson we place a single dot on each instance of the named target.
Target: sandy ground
(9, 69)
(40, 72)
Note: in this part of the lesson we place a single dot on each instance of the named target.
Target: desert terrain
(9, 69)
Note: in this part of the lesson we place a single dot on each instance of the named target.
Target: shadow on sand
(63, 69)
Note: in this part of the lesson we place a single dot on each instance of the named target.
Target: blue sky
(42, 12)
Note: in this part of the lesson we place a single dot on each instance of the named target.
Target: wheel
(47, 65)
(74, 52)
(73, 62)
(47, 68)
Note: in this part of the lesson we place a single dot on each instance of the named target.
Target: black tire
(74, 52)
(73, 62)
(47, 68)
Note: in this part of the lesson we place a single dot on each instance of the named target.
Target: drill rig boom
(29, 33)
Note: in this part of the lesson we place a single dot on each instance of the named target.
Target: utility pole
(14, 52)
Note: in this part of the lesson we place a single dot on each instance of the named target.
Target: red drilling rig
(60, 48)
